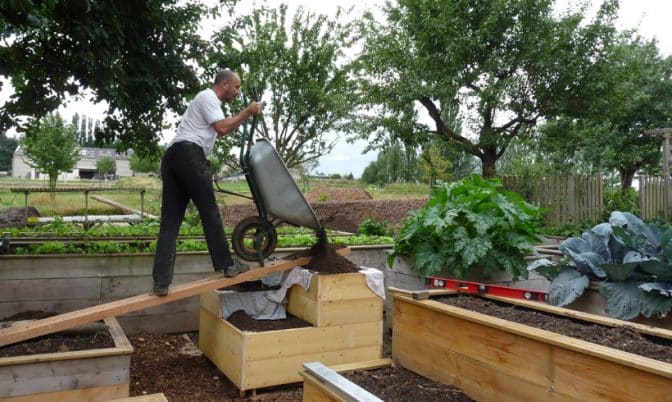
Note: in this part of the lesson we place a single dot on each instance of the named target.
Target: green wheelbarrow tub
(278, 191)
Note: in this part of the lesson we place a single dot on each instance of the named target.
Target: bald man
(186, 175)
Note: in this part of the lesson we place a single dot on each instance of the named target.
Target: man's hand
(255, 108)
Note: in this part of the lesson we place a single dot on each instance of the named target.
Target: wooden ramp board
(72, 319)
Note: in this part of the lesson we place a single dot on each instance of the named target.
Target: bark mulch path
(161, 363)
(624, 339)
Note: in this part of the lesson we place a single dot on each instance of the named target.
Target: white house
(84, 169)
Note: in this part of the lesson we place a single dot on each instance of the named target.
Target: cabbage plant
(632, 261)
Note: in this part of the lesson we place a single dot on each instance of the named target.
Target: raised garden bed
(71, 282)
(98, 374)
(373, 382)
(493, 358)
(254, 360)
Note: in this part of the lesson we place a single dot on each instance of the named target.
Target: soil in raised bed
(66, 341)
(396, 384)
(624, 339)
(244, 322)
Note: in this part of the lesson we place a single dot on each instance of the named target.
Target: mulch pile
(623, 339)
(16, 216)
(332, 194)
(346, 216)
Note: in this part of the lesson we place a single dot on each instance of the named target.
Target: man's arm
(226, 126)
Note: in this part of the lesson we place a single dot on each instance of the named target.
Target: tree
(299, 67)
(138, 56)
(503, 64)
(150, 163)
(637, 82)
(106, 165)
(7, 147)
(50, 147)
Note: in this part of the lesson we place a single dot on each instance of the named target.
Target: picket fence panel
(568, 199)
(651, 197)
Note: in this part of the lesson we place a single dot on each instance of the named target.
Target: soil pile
(16, 216)
(624, 339)
(331, 194)
(326, 260)
(346, 216)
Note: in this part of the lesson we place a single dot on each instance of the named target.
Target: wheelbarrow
(275, 194)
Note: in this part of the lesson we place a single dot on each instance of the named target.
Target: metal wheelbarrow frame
(276, 196)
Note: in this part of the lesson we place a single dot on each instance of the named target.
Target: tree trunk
(488, 160)
(626, 179)
(53, 177)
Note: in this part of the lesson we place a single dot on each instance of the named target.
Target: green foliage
(468, 224)
(493, 69)
(290, 238)
(106, 165)
(631, 259)
(567, 230)
(149, 163)
(617, 200)
(298, 62)
(7, 147)
(372, 227)
(138, 56)
(635, 95)
(50, 146)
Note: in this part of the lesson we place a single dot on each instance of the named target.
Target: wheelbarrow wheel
(243, 238)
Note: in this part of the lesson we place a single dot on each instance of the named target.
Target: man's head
(227, 85)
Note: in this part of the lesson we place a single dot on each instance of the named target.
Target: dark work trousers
(186, 175)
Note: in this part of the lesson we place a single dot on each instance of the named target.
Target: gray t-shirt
(195, 125)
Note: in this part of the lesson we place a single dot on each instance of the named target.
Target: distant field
(68, 204)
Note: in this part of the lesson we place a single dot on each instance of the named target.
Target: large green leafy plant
(467, 224)
(631, 260)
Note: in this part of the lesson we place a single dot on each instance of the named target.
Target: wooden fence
(651, 197)
(567, 199)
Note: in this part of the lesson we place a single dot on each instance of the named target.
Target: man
(186, 175)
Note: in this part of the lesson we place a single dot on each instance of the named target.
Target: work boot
(160, 290)
(234, 269)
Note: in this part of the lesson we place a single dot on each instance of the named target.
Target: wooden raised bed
(334, 300)
(254, 360)
(322, 383)
(492, 359)
(85, 375)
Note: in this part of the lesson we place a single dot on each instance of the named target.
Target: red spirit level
(483, 288)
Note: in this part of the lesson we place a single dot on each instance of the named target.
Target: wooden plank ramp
(72, 319)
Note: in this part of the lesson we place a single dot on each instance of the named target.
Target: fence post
(571, 200)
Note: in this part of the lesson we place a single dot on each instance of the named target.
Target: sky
(649, 17)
